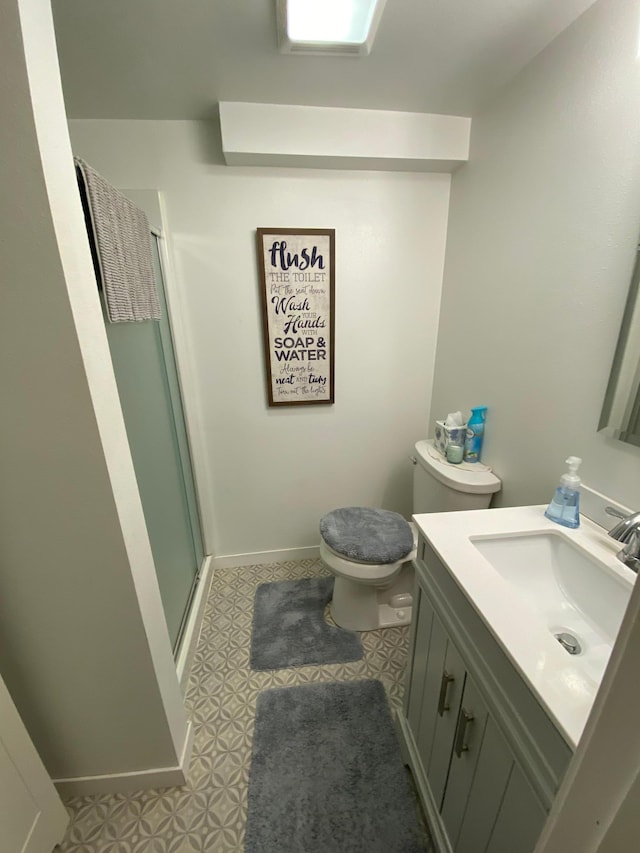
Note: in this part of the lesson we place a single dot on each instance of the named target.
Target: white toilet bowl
(368, 596)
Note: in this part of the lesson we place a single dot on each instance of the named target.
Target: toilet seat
(365, 573)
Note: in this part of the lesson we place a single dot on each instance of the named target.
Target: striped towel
(122, 241)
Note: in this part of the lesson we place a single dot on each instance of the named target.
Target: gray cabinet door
(434, 692)
(467, 746)
(419, 655)
(451, 677)
(433, 687)
(493, 769)
(520, 819)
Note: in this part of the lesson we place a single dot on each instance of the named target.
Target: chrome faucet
(627, 530)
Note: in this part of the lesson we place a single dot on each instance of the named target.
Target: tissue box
(445, 435)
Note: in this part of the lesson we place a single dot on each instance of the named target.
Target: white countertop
(563, 687)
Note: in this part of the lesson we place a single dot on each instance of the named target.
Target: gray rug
(289, 628)
(327, 775)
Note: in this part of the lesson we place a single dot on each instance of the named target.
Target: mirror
(621, 408)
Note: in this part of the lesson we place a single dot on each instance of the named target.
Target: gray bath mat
(289, 628)
(327, 775)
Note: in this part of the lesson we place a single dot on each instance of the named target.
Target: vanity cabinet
(486, 758)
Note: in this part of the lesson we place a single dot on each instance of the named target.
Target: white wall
(84, 647)
(271, 474)
(543, 226)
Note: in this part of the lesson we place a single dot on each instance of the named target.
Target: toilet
(370, 551)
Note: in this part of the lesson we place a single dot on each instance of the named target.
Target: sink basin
(530, 580)
(569, 589)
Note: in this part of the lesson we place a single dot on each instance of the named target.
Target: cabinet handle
(465, 720)
(447, 679)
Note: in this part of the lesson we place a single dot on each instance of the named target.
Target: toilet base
(363, 607)
(390, 617)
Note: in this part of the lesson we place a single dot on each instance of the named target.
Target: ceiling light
(328, 26)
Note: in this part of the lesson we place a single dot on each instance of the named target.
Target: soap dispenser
(565, 504)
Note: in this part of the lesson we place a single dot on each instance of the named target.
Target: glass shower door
(146, 376)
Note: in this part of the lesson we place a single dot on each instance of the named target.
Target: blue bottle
(565, 505)
(475, 434)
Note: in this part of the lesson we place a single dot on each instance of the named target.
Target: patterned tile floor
(209, 813)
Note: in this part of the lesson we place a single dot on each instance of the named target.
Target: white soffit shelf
(339, 138)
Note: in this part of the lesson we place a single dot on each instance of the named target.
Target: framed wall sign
(297, 278)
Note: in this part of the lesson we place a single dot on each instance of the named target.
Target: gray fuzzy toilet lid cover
(367, 535)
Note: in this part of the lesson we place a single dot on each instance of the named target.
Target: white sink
(530, 579)
(575, 594)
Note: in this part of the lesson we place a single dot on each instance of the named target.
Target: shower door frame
(184, 448)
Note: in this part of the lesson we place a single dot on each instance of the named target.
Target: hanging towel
(122, 241)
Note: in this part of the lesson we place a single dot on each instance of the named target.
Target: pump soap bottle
(565, 504)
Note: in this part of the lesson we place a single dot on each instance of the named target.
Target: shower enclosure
(147, 379)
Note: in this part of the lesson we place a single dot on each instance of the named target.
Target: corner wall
(544, 222)
(84, 648)
(270, 474)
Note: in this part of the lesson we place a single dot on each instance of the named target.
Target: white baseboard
(114, 783)
(231, 561)
(194, 623)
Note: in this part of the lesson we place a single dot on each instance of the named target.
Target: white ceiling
(176, 59)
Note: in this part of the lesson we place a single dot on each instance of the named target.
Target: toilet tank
(439, 486)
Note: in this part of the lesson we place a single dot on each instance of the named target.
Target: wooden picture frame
(297, 286)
